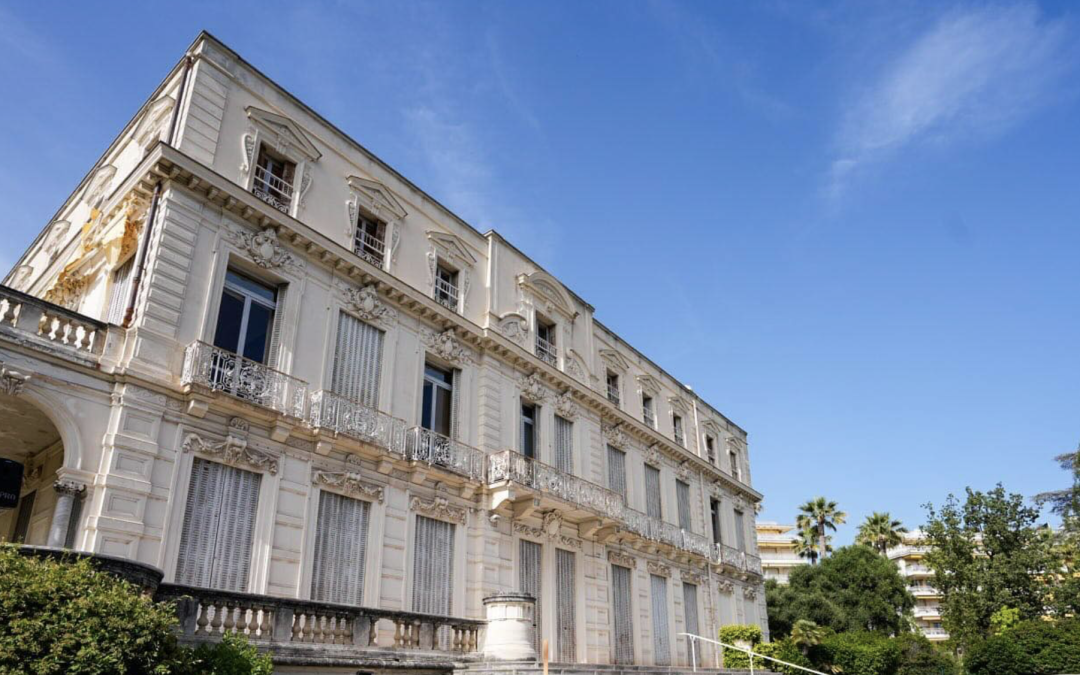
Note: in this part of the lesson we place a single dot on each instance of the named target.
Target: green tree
(1065, 598)
(821, 516)
(806, 634)
(853, 590)
(986, 554)
(806, 545)
(880, 532)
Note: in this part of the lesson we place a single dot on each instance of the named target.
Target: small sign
(11, 476)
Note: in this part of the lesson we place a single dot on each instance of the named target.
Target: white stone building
(249, 353)
(777, 549)
(908, 557)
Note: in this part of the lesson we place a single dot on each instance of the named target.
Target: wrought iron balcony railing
(212, 367)
(613, 395)
(356, 420)
(517, 468)
(446, 293)
(273, 190)
(369, 247)
(546, 351)
(434, 449)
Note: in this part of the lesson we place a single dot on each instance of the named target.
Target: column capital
(69, 486)
(12, 381)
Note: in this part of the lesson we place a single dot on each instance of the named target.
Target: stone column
(67, 491)
(509, 634)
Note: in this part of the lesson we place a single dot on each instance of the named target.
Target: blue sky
(850, 226)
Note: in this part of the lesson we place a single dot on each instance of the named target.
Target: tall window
(246, 317)
(22, 519)
(648, 411)
(621, 610)
(340, 549)
(682, 494)
(274, 179)
(565, 599)
(652, 492)
(677, 427)
(529, 575)
(528, 430)
(613, 387)
(661, 634)
(616, 465)
(433, 567)
(690, 608)
(219, 526)
(121, 289)
(446, 287)
(733, 461)
(545, 341)
(357, 361)
(710, 449)
(564, 445)
(714, 518)
(740, 530)
(369, 242)
(438, 404)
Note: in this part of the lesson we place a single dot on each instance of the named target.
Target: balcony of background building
(924, 591)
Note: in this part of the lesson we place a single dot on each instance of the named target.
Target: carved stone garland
(690, 577)
(615, 436)
(566, 407)
(620, 558)
(659, 569)
(533, 389)
(749, 592)
(366, 303)
(350, 483)
(263, 248)
(446, 346)
(233, 451)
(515, 328)
(726, 586)
(440, 508)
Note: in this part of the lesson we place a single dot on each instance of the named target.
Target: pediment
(648, 383)
(289, 134)
(153, 121)
(452, 248)
(99, 183)
(377, 198)
(615, 360)
(678, 404)
(713, 429)
(544, 285)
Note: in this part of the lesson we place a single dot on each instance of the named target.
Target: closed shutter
(121, 288)
(564, 445)
(219, 525)
(616, 470)
(682, 494)
(740, 531)
(529, 575)
(623, 638)
(652, 492)
(340, 549)
(433, 567)
(565, 587)
(455, 404)
(690, 608)
(661, 639)
(357, 361)
(273, 356)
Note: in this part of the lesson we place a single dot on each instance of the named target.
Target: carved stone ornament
(534, 532)
(615, 436)
(659, 569)
(569, 542)
(263, 247)
(717, 489)
(305, 183)
(446, 346)
(726, 586)
(690, 577)
(533, 389)
(57, 233)
(21, 279)
(12, 381)
(566, 407)
(68, 290)
(683, 471)
(440, 508)
(366, 303)
(248, 142)
(69, 487)
(740, 503)
(515, 328)
(349, 483)
(233, 451)
(620, 558)
(749, 592)
(653, 456)
(552, 523)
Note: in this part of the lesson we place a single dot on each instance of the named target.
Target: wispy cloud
(972, 73)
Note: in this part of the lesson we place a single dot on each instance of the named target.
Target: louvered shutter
(690, 608)
(455, 403)
(529, 576)
(273, 356)
(740, 531)
(340, 549)
(661, 638)
(357, 361)
(565, 587)
(564, 445)
(121, 288)
(623, 636)
(193, 567)
(652, 492)
(433, 566)
(682, 494)
(617, 470)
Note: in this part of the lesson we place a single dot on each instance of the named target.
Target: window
(648, 414)
(613, 387)
(529, 574)
(357, 361)
(340, 549)
(274, 180)
(565, 599)
(545, 341)
(528, 430)
(623, 615)
(676, 425)
(246, 317)
(433, 567)
(370, 240)
(733, 460)
(690, 608)
(652, 492)
(661, 636)
(446, 287)
(740, 531)
(682, 494)
(616, 465)
(219, 525)
(710, 450)
(121, 289)
(437, 412)
(714, 517)
(564, 445)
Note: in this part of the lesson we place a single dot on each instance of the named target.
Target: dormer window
(677, 427)
(613, 388)
(545, 341)
(648, 411)
(446, 287)
(370, 240)
(274, 176)
(733, 460)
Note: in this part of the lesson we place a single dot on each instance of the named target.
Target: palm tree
(820, 515)
(806, 545)
(880, 532)
(806, 634)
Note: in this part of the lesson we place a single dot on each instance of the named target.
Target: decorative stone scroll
(653, 456)
(366, 303)
(533, 389)
(659, 569)
(615, 436)
(750, 592)
(726, 586)
(623, 559)
(534, 532)
(683, 471)
(234, 451)
(691, 577)
(440, 508)
(350, 483)
(515, 328)
(566, 407)
(264, 248)
(12, 382)
(446, 346)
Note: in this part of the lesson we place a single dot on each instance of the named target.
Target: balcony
(926, 612)
(49, 327)
(337, 414)
(740, 561)
(273, 190)
(546, 351)
(914, 570)
(446, 293)
(924, 591)
(935, 633)
(427, 447)
(215, 369)
(369, 247)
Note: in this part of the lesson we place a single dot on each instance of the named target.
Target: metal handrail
(751, 653)
(446, 293)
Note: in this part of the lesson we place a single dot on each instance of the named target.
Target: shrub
(234, 655)
(858, 654)
(1030, 648)
(734, 634)
(785, 650)
(919, 656)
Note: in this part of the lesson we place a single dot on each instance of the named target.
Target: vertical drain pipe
(144, 241)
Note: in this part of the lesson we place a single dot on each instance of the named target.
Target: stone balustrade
(49, 325)
(329, 411)
(217, 369)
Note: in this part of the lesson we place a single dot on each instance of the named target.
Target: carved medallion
(366, 303)
(263, 247)
(446, 346)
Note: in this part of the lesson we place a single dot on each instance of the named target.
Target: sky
(849, 226)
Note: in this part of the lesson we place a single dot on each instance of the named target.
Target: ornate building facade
(249, 353)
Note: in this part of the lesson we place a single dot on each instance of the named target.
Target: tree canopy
(880, 531)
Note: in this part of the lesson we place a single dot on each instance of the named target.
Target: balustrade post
(187, 611)
(282, 629)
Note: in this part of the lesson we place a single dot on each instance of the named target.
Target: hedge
(1030, 648)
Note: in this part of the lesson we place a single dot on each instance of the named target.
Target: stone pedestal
(510, 631)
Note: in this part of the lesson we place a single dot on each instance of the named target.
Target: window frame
(448, 386)
(248, 298)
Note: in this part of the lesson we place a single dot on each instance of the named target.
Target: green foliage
(1004, 619)
(1036, 647)
(737, 634)
(986, 554)
(1065, 597)
(919, 656)
(858, 654)
(880, 532)
(820, 515)
(852, 590)
(234, 655)
(785, 650)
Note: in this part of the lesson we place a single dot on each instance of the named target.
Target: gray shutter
(690, 608)
(529, 575)
(273, 356)
(661, 638)
(433, 567)
(623, 635)
(121, 289)
(565, 614)
(740, 531)
(340, 549)
(193, 566)
(357, 361)
(564, 445)
(617, 470)
(682, 494)
(455, 403)
(652, 492)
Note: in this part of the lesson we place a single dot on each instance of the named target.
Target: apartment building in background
(908, 557)
(776, 547)
(250, 354)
